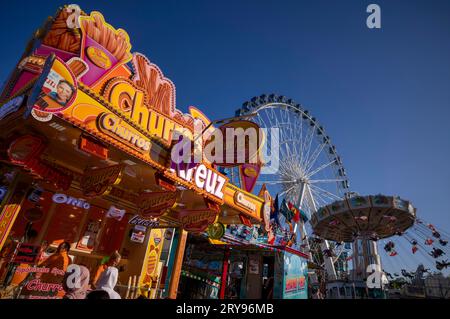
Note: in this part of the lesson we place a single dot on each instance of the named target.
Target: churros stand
(86, 131)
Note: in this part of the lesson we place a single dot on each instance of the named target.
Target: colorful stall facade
(87, 129)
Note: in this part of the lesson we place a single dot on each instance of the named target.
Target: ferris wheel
(310, 173)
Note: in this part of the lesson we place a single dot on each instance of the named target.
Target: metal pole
(329, 266)
(160, 291)
(225, 264)
(299, 204)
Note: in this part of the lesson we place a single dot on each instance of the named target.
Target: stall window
(90, 233)
(41, 201)
(65, 224)
(112, 235)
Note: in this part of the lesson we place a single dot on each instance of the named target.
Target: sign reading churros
(99, 181)
(82, 71)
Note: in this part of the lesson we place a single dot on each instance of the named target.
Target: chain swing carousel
(339, 229)
(415, 262)
(362, 221)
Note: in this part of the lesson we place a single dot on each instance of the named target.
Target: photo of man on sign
(61, 93)
(64, 92)
(58, 88)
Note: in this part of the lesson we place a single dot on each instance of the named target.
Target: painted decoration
(295, 279)
(216, 231)
(103, 47)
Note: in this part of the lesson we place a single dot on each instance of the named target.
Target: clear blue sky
(382, 95)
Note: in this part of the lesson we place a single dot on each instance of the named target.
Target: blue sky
(382, 95)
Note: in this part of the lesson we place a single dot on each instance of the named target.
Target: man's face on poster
(64, 92)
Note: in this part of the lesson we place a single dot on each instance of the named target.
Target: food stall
(87, 128)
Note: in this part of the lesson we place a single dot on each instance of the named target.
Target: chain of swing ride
(426, 241)
(422, 242)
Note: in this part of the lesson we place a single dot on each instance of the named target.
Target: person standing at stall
(108, 281)
(57, 265)
(114, 261)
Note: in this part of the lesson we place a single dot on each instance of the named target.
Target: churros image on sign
(103, 47)
(117, 42)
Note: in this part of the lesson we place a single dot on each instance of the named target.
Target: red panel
(64, 224)
(112, 235)
(20, 223)
(89, 235)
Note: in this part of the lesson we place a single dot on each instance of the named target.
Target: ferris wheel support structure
(310, 173)
(325, 246)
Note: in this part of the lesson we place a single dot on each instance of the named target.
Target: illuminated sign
(99, 181)
(25, 151)
(25, 148)
(94, 82)
(92, 147)
(241, 142)
(10, 107)
(56, 89)
(117, 129)
(98, 57)
(137, 220)
(244, 201)
(196, 220)
(156, 203)
(77, 202)
(204, 178)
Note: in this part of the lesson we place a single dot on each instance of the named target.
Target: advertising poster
(149, 270)
(295, 285)
(253, 266)
(55, 90)
(138, 234)
(27, 254)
